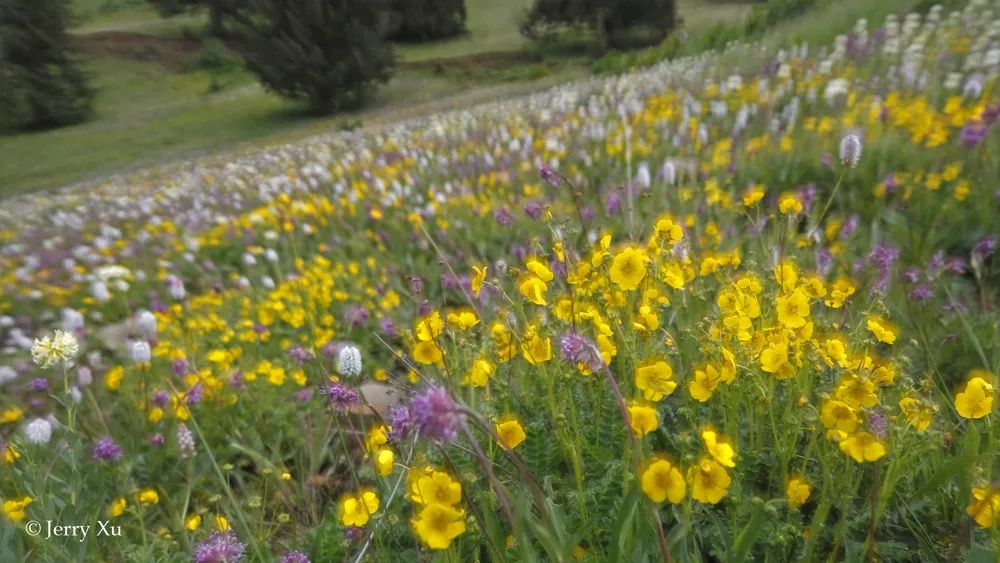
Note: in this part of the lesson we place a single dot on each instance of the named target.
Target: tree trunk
(215, 26)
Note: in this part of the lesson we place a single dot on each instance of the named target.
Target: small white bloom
(7, 374)
(850, 150)
(38, 431)
(146, 322)
(50, 350)
(349, 361)
(72, 320)
(99, 290)
(141, 353)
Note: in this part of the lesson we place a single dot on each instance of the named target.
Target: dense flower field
(736, 307)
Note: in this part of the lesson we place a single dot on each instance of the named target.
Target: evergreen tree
(331, 53)
(612, 19)
(41, 85)
(422, 20)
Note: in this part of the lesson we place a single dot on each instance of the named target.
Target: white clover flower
(38, 431)
(7, 374)
(141, 352)
(50, 350)
(850, 150)
(349, 361)
(146, 322)
(99, 290)
(72, 320)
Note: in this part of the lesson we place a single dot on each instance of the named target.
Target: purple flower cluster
(883, 257)
(577, 349)
(878, 424)
(220, 547)
(295, 557)
(401, 422)
(436, 415)
(106, 450)
(341, 396)
(549, 175)
(299, 355)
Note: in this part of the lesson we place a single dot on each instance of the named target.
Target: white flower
(38, 431)
(850, 150)
(60, 347)
(99, 290)
(7, 374)
(141, 352)
(72, 320)
(349, 361)
(146, 322)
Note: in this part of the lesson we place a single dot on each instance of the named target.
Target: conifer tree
(423, 20)
(41, 84)
(330, 53)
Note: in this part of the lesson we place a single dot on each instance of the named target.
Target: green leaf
(747, 536)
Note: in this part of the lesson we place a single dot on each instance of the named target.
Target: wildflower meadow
(740, 306)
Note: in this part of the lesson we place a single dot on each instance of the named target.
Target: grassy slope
(145, 114)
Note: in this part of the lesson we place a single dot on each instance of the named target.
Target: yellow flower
(628, 268)
(434, 487)
(10, 455)
(984, 506)
(537, 350)
(192, 522)
(427, 352)
(642, 418)
(479, 374)
(117, 507)
(774, 359)
(704, 382)
(752, 195)
(463, 318)
(789, 204)
(797, 491)
(975, 400)
(13, 509)
(429, 327)
(793, 309)
(883, 330)
(655, 380)
(378, 436)
(661, 481)
(917, 415)
(540, 270)
(710, 482)
(719, 447)
(862, 447)
(510, 432)
(670, 231)
(856, 392)
(478, 277)
(533, 289)
(12, 414)
(113, 378)
(838, 415)
(437, 525)
(149, 496)
(384, 460)
(357, 509)
(221, 523)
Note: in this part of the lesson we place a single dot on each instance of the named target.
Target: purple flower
(549, 175)
(807, 195)
(106, 450)
(436, 414)
(341, 396)
(973, 133)
(160, 398)
(387, 327)
(577, 349)
(956, 265)
(220, 547)
(878, 424)
(295, 557)
(612, 203)
(911, 275)
(39, 384)
(155, 440)
(824, 260)
(883, 257)
(588, 213)
(849, 226)
(503, 216)
(304, 395)
(984, 248)
(534, 209)
(416, 285)
(194, 394)
(354, 533)
(299, 354)
(356, 316)
(401, 422)
(180, 367)
(921, 293)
